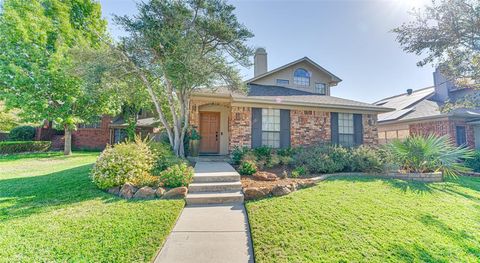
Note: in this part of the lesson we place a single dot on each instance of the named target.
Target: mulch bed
(248, 181)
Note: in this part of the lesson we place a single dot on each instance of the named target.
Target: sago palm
(422, 154)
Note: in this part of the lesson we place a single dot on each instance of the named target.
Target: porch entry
(210, 132)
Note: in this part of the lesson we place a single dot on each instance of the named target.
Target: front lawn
(370, 220)
(51, 211)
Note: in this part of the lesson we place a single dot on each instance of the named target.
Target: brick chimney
(260, 62)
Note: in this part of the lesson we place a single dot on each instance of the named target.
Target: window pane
(301, 77)
(345, 129)
(282, 81)
(320, 88)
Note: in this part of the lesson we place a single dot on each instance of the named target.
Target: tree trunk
(67, 149)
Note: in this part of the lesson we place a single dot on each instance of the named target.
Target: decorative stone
(145, 192)
(114, 190)
(178, 192)
(128, 190)
(292, 187)
(160, 192)
(280, 190)
(251, 193)
(265, 176)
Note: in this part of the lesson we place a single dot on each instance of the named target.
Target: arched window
(301, 77)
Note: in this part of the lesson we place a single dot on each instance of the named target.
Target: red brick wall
(309, 127)
(443, 127)
(92, 138)
(240, 127)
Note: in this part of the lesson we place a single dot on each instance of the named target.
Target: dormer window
(301, 77)
(320, 88)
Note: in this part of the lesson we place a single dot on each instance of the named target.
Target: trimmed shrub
(22, 133)
(474, 162)
(248, 168)
(287, 152)
(126, 162)
(164, 157)
(263, 153)
(322, 159)
(298, 171)
(365, 159)
(9, 147)
(176, 176)
(238, 153)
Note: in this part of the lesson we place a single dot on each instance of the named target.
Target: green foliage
(10, 147)
(22, 133)
(125, 162)
(298, 171)
(445, 33)
(194, 135)
(164, 157)
(474, 162)
(177, 175)
(238, 153)
(423, 154)
(322, 159)
(263, 152)
(287, 152)
(35, 60)
(365, 159)
(248, 168)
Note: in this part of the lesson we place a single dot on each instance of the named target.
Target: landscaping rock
(128, 190)
(145, 192)
(280, 190)
(160, 192)
(179, 192)
(114, 190)
(255, 193)
(265, 176)
(292, 187)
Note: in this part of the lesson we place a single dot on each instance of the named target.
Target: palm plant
(423, 154)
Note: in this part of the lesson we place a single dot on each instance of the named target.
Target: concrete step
(215, 187)
(214, 197)
(216, 177)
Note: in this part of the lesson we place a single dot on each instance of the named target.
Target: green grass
(50, 211)
(370, 220)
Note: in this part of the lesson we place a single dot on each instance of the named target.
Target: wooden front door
(210, 132)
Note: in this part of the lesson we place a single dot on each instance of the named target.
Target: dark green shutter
(358, 129)
(284, 128)
(334, 127)
(256, 127)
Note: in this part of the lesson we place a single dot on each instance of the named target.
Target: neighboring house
(97, 135)
(287, 106)
(419, 112)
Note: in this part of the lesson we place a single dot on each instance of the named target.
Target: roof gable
(292, 64)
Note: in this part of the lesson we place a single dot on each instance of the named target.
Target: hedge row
(9, 147)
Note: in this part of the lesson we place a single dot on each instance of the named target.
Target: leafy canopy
(35, 58)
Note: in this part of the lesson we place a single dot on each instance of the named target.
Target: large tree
(447, 34)
(174, 47)
(35, 60)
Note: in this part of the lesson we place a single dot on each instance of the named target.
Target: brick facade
(82, 138)
(309, 127)
(443, 127)
(370, 129)
(240, 127)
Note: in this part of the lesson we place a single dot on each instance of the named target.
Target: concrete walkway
(209, 233)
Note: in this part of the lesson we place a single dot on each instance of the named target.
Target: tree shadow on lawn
(21, 197)
(411, 186)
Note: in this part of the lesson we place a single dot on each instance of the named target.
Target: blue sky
(350, 38)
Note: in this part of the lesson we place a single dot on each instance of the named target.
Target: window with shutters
(271, 128)
(346, 130)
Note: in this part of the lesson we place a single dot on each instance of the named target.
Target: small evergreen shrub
(263, 153)
(365, 159)
(22, 133)
(287, 152)
(176, 176)
(9, 147)
(474, 162)
(322, 159)
(298, 171)
(125, 162)
(248, 168)
(238, 153)
(164, 157)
